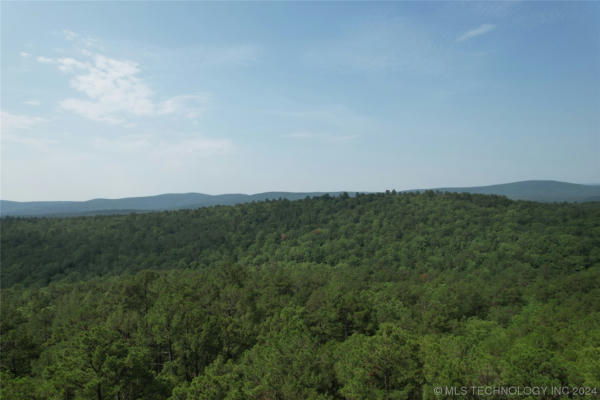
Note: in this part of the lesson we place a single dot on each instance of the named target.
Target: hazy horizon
(349, 191)
(115, 100)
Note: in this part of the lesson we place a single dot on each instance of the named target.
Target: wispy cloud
(114, 90)
(82, 40)
(44, 60)
(40, 143)
(481, 30)
(24, 54)
(12, 122)
(32, 102)
(189, 105)
(14, 125)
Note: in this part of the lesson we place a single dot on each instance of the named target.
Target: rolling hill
(162, 202)
(543, 191)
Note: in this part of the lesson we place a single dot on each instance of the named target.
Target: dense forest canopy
(381, 296)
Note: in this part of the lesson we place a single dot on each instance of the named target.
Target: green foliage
(375, 296)
(383, 366)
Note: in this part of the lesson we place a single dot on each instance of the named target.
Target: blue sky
(138, 98)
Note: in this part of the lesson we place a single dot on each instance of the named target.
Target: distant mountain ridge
(161, 202)
(538, 190)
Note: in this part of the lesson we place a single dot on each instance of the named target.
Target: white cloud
(112, 87)
(69, 64)
(32, 102)
(70, 35)
(92, 110)
(12, 122)
(190, 106)
(65, 64)
(24, 54)
(13, 125)
(114, 90)
(45, 60)
(86, 41)
(481, 30)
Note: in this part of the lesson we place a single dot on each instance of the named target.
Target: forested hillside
(380, 296)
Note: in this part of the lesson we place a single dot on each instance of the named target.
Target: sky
(103, 99)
